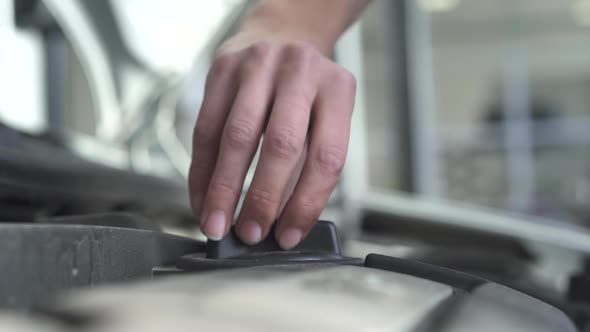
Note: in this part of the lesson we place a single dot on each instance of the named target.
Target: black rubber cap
(323, 238)
(321, 246)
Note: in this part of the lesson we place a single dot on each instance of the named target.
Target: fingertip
(214, 225)
(250, 232)
(290, 238)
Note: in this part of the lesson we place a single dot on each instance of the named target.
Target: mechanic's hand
(303, 103)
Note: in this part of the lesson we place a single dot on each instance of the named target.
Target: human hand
(302, 102)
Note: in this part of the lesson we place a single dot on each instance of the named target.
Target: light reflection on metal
(436, 6)
(580, 10)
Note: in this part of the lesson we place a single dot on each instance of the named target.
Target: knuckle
(258, 56)
(298, 56)
(343, 79)
(221, 187)
(300, 101)
(223, 64)
(307, 208)
(330, 160)
(263, 201)
(298, 50)
(240, 134)
(260, 50)
(283, 142)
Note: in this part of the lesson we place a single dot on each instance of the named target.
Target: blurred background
(486, 103)
(480, 102)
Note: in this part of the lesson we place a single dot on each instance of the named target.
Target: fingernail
(251, 232)
(214, 226)
(290, 238)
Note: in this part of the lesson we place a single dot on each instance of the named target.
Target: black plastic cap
(323, 238)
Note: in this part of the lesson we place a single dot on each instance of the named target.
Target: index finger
(220, 89)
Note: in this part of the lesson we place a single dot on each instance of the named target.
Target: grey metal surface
(37, 260)
(267, 299)
(497, 308)
(531, 229)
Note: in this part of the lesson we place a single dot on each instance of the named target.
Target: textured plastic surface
(113, 219)
(36, 260)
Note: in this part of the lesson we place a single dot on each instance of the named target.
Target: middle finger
(282, 145)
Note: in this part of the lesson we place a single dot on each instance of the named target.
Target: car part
(269, 290)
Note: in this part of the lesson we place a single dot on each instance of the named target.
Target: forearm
(318, 22)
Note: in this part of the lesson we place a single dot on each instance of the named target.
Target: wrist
(269, 24)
